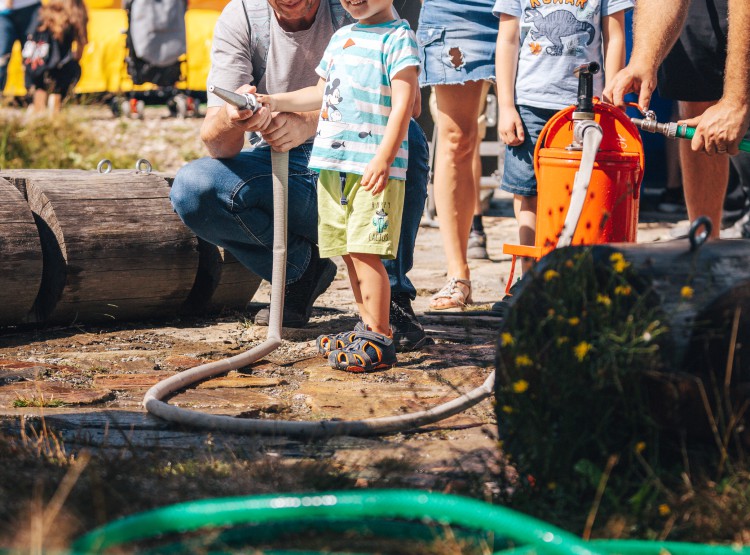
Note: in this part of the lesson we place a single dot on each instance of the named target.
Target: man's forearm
(656, 27)
(737, 68)
(222, 139)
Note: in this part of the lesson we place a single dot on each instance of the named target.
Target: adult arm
(509, 124)
(723, 125)
(656, 27)
(613, 32)
(404, 86)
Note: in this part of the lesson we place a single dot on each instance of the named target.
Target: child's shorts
(518, 174)
(456, 41)
(365, 224)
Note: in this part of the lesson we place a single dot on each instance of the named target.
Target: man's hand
(632, 78)
(287, 130)
(247, 120)
(375, 176)
(720, 128)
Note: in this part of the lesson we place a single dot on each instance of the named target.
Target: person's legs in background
(454, 184)
(477, 246)
(13, 26)
(408, 333)
(704, 177)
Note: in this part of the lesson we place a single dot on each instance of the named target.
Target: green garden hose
(518, 534)
(415, 505)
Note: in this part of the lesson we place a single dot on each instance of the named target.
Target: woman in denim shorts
(457, 47)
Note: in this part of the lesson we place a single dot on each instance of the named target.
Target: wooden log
(20, 256)
(701, 302)
(222, 282)
(113, 247)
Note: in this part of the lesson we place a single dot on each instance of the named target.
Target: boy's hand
(375, 177)
(267, 100)
(510, 127)
(247, 119)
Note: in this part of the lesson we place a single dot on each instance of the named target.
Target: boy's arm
(509, 124)
(404, 86)
(613, 35)
(301, 100)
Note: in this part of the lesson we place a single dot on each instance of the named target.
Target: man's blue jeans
(13, 27)
(229, 203)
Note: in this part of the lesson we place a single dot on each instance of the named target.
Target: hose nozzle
(652, 126)
(244, 101)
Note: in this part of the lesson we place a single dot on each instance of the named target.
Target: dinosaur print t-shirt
(358, 66)
(556, 37)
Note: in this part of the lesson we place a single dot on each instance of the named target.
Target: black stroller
(156, 44)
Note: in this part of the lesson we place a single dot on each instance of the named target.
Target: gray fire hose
(153, 400)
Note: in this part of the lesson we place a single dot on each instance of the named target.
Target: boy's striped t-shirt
(358, 66)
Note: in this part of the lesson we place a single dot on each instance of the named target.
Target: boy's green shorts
(367, 223)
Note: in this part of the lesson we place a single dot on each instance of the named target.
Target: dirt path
(91, 379)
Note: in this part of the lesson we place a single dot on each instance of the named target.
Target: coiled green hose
(520, 534)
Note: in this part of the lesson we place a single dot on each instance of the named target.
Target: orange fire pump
(589, 164)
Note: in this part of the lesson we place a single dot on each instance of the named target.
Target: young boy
(538, 46)
(367, 90)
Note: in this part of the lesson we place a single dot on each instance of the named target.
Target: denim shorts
(518, 174)
(457, 41)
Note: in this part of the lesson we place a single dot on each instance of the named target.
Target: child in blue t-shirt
(539, 43)
(367, 89)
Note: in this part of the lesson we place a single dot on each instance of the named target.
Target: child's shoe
(368, 352)
(328, 343)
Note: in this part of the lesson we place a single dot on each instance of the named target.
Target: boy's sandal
(454, 294)
(368, 352)
(328, 343)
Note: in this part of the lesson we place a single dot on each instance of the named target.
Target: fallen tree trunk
(20, 256)
(113, 247)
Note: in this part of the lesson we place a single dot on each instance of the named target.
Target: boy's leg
(370, 280)
(524, 208)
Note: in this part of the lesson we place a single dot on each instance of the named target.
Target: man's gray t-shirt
(292, 57)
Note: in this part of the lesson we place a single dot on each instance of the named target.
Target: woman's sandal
(454, 294)
(328, 343)
(368, 352)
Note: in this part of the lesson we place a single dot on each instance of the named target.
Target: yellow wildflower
(603, 299)
(507, 409)
(506, 339)
(618, 262)
(574, 321)
(520, 386)
(562, 341)
(523, 360)
(640, 447)
(687, 292)
(582, 350)
(623, 290)
(549, 275)
(664, 509)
